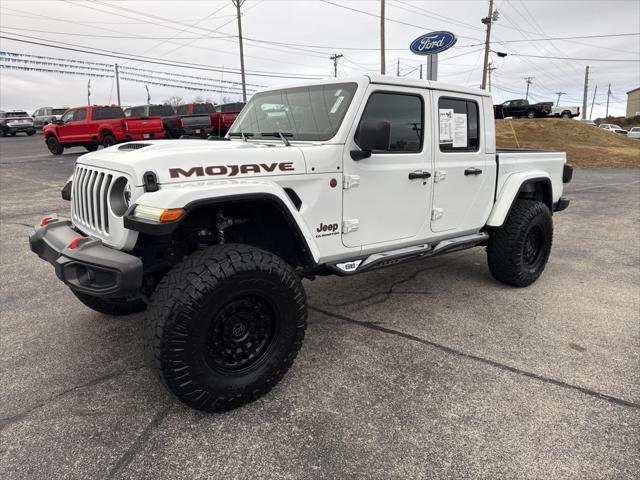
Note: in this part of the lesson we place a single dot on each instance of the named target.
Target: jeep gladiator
(334, 177)
(97, 125)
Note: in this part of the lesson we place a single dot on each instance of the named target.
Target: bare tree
(198, 99)
(174, 101)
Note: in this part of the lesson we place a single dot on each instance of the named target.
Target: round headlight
(120, 196)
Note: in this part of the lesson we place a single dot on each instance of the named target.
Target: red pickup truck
(97, 125)
(193, 122)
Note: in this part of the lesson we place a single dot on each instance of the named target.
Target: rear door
(380, 202)
(464, 175)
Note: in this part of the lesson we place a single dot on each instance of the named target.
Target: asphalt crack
(139, 442)
(4, 422)
(492, 363)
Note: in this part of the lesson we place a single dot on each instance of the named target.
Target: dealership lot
(428, 369)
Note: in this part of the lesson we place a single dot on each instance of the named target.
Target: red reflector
(45, 220)
(76, 241)
(333, 183)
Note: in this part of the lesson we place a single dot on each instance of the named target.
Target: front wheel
(115, 308)
(224, 326)
(92, 147)
(518, 251)
(31, 132)
(54, 146)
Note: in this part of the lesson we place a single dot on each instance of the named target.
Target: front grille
(90, 196)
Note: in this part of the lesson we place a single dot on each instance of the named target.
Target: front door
(74, 128)
(386, 197)
(464, 175)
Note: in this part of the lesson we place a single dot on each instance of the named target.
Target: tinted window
(230, 107)
(80, 114)
(106, 113)
(462, 111)
(161, 111)
(203, 108)
(58, 111)
(16, 114)
(311, 113)
(404, 113)
(182, 109)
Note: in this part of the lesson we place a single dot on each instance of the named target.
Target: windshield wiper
(282, 135)
(241, 134)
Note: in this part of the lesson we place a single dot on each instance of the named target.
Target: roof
(389, 80)
(634, 90)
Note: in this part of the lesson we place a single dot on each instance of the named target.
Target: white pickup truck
(337, 177)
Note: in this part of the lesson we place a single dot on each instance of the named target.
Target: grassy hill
(586, 146)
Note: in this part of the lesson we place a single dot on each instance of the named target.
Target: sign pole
(432, 67)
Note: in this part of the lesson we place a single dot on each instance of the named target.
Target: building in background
(633, 102)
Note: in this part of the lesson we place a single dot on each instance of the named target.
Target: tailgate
(201, 121)
(143, 125)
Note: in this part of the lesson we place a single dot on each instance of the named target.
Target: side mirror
(372, 136)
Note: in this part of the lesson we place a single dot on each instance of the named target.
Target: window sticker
(447, 125)
(336, 105)
(460, 130)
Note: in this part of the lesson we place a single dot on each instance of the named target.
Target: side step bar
(392, 257)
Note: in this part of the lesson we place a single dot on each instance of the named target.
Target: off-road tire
(199, 300)
(54, 145)
(115, 308)
(92, 147)
(566, 114)
(518, 251)
(108, 140)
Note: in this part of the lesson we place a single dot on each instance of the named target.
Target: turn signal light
(171, 215)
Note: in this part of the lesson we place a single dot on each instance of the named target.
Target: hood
(196, 160)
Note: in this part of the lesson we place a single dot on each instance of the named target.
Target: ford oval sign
(434, 42)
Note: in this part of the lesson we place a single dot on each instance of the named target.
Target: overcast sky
(313, 29)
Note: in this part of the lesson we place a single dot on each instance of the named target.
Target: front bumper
(84, 263)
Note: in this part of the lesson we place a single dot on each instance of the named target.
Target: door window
(459, 125)
(67, 117)
(404, 113)
(80, 114)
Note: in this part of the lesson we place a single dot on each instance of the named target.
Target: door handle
(473, 171)
(419, 174)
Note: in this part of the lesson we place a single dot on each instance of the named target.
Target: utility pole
(382, 59)
(593, 101)
(608, 95)
(529, 81)
(118, 84)
(488, 20)
(335, 57)
(89, 92)
(489, 70)
(398, 68)
(584, 95)
(559, 95)
(238, 4)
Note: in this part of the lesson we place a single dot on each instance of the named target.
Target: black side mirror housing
(372, 136)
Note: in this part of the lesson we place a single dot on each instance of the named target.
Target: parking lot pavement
(424, 370)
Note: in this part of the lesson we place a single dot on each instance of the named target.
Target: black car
(15, 122)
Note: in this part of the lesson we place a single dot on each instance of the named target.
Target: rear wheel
(92, 147)
(31, 132)
(116, 308)
(566, 114)
(518, 251)
(531, 114)
(225, 325)
(108, 141)
(54, 146)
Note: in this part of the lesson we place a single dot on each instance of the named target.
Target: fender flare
(271, 193)
(104, 131)
(509, 193)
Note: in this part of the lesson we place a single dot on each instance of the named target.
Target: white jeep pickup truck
(333, 177)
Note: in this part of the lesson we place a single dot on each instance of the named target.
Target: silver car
(634, 133)
(46, 115)
(613, 128)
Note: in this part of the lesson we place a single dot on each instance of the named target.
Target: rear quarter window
(107, 113)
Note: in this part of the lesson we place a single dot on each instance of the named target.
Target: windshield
(303, 113)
